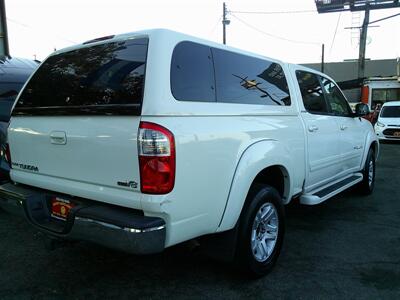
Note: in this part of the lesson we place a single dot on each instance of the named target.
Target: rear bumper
(111, 226)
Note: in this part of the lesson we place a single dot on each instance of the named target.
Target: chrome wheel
(370, 172)
(264, 232)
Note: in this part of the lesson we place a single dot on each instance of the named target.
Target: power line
(216, 24)
(334, 35)
(272, 35)
(392, 16)
(31, 28)
(273, 12)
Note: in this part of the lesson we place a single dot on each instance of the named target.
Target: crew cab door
(351, 131)
(322, 133)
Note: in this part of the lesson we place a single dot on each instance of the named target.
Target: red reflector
(8, 154)
(156, 159)
(157, 174)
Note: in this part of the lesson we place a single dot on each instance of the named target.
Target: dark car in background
(13, 74)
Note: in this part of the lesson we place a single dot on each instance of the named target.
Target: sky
(38, 27)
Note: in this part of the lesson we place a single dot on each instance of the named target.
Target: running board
(327, 192)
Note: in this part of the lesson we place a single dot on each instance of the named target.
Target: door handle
(58, 137)
(312, 128)
(343, 127)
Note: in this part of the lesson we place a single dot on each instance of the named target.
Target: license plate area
(60, 208)
(396, 133)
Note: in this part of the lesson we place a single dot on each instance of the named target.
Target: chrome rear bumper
(111, 226)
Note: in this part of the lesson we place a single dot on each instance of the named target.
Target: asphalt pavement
(347, 247)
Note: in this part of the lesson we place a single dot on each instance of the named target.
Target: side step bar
(327, 192)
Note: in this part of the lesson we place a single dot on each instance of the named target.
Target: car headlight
(380, 124)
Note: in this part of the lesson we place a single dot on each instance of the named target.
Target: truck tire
(366, 186)
(261, 231)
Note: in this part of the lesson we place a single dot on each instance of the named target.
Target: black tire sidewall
(259, 195)
(365, 187)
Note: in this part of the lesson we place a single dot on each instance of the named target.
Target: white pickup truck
(145, 140)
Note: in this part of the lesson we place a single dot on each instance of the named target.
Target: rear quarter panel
(210, 141)
(208, 151)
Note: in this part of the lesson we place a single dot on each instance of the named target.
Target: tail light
(156, 159)
(7, 154)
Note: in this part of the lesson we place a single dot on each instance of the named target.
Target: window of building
(384, 95)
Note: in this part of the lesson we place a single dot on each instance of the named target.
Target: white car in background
(387, 126)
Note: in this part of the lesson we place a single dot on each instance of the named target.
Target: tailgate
(74, 126)
(99, 150)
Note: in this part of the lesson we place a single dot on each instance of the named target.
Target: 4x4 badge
(131, 184)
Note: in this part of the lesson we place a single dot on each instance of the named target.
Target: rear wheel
(261, 231)
(366, 186)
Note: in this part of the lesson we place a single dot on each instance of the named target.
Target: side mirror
(361, 110)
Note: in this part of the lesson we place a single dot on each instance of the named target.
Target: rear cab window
(205, 74)
(101, 79)
(192, 73)
(249, 80)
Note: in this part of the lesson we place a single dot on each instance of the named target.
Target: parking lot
(347, 247)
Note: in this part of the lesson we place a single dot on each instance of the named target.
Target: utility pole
(323, 58)
(327, 6)
(225, 22)
(363, 42)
